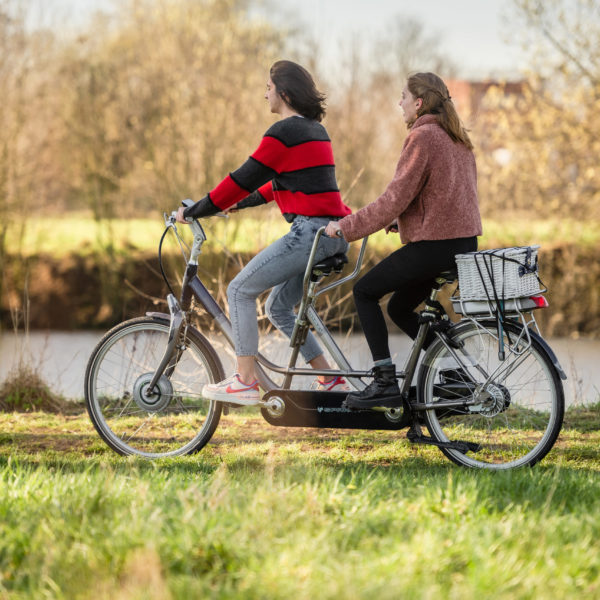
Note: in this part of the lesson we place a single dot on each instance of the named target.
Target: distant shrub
(24, 390)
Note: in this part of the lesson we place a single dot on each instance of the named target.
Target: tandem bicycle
(487, 392)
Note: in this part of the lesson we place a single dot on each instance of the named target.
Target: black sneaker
(382, 391)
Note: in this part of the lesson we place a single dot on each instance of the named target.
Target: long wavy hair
(297, 88)
(437, 101)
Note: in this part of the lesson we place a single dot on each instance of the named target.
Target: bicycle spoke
(513, 407)
(128, 404)
(175, 418)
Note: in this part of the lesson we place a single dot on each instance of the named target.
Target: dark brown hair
(437, 101)
(297, 88)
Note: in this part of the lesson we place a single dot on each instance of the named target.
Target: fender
(159, 315)
(534, 335)
(550, 354)
(167, 317)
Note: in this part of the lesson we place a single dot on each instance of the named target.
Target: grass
(265, 512)
(254, 230)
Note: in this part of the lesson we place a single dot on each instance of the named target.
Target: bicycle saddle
(332, 263)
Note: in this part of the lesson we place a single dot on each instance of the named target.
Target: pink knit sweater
(433, 193)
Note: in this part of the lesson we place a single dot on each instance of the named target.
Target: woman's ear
(418, 103)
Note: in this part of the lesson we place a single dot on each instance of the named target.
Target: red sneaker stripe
(246, 388)
(230, 390)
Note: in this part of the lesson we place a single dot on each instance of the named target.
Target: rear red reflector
(540, 301)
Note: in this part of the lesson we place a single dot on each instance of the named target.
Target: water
(61, 358)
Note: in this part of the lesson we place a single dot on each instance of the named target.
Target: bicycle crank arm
(174, 329)
(461, 446)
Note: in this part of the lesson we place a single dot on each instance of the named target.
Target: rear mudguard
(536, 336)
(550, 354)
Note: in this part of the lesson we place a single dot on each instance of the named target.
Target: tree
(550, 133)
(164, 101)
(25, 147)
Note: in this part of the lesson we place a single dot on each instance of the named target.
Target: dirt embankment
(82, 292)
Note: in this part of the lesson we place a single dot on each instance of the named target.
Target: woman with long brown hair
(432, 202)
(294, 167)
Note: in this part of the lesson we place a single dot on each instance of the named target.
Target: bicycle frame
(307, 316)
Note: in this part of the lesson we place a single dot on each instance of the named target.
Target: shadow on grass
(252, 453)
(79, 452)
(86, 444)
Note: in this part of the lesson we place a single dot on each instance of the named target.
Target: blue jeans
(280, 266)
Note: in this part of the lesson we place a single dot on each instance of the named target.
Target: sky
(473, 34)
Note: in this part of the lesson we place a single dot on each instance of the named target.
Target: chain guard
(302, 408)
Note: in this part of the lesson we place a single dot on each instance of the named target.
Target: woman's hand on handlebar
(180, 218)
(333, 229)
(392, 227)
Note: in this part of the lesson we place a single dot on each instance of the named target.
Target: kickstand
(415, 435)
(414, 431)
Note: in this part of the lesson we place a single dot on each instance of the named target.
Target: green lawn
(252, 230)
(265, 512)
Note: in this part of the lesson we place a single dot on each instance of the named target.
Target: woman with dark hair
(432, 202)
(293, 166)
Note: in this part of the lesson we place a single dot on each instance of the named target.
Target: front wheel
(172, 421)
(512, 408)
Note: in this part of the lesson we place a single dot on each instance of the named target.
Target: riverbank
(79, 291)
(90, 275)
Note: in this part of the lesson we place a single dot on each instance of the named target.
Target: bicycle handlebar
(311, 263)
(200, 237)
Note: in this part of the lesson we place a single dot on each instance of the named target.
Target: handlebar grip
(187, 203)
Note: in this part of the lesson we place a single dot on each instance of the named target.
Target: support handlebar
(311, 264)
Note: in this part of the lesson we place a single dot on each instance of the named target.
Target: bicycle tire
(178, 421)
(518, 414)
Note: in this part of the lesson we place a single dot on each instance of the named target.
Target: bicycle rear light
(540, 301)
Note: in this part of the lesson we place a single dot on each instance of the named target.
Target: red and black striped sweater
(293, 165)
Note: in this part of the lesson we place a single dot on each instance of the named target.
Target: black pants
(409, 273)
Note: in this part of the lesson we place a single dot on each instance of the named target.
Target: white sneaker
(337, 384)
(232, 390)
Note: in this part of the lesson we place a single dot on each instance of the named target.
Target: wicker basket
(502, 273)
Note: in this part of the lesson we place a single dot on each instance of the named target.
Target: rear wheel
(513, 408)
(172, 421)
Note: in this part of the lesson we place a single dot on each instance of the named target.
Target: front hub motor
(153, 400)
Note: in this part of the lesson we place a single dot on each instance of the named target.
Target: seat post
(432, 312)
(300, 331)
